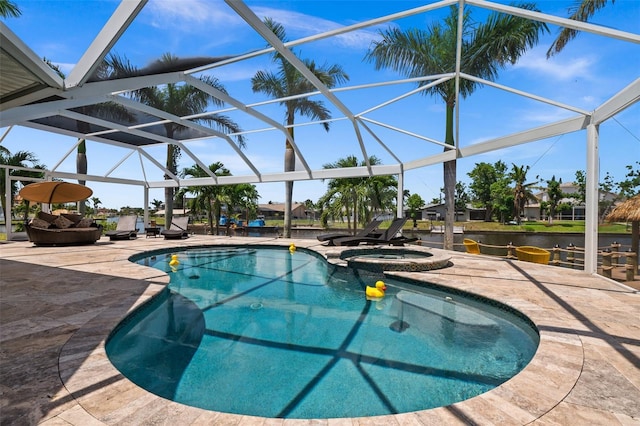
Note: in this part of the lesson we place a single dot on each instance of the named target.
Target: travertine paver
(58, 305)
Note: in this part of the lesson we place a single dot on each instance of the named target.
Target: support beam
(592, 198)
(8, 203)
(104, 41)
(145, 217)
(400, 201)
(618, 102)
(563, 22)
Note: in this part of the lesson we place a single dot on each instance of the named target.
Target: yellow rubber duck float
(174, 262)
(292, 248)
(377, 292)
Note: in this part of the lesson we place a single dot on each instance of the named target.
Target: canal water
(538, 239)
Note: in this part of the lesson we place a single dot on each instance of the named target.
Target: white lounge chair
(178, 228)
(125, 229)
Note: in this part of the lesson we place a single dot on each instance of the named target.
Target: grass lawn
(566, 226)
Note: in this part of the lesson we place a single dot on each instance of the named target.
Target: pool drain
(255, 306)
(399, 326)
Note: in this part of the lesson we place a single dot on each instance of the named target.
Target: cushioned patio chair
(125, 229)
(178, 229)
(388, 237)
(367, 231)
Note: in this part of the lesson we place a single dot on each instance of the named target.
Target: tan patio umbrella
(55, 192)
(629, 211)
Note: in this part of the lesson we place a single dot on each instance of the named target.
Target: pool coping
(544, 392)
(353, 257)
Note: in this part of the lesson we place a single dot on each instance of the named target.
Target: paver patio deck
(58, 305)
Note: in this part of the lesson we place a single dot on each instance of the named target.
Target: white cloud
(65, 68)
(300, 25)
(482, 139)
(544, 116)
(188, 15)
(234, 72)
(191, 15)
(557, 69)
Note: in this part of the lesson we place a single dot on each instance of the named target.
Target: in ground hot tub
(380, 259)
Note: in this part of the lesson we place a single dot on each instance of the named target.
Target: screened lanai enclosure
(376, 112)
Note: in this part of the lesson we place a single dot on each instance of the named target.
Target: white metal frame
(75, 91)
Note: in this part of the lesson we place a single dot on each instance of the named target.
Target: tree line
(504, 192)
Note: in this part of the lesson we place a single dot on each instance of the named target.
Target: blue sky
(589, 71)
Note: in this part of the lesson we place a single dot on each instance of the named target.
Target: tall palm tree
(288, 81)
(180, 100)
(344, 194)
(554, 191)
(96, 202)
(109, 110)
(486, 48)
(81, 168)
(582, 10)
(522, 192)
(358, 197)
(209, 197)
(156, 204)
(242, 196)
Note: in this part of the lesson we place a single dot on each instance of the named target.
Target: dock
(439, 229)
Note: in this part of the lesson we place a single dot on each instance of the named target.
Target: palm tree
(242, 196)
(358, 197)
(209, 197)
(415, 203)
(156, 204)
(96, 202)
(109, 110)
(344, 194)
(286, 82)
(522, 191)
(19, 159)
(180, 100)
(81, 168)
(9, 9)
(486, 48)
(582, 10)
(554, 191)
(381, 194)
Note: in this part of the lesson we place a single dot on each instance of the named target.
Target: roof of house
(278, 207)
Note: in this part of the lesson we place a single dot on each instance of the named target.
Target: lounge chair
(178, 229)
(367, 231)
(388, 237)
(125, 229)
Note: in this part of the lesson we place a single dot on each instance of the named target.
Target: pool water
(265, 332)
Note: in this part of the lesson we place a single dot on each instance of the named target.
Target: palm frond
(9, 9)
(581, 11)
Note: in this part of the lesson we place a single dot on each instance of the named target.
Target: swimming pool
(264, 332)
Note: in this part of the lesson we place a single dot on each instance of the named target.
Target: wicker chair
(63, 237)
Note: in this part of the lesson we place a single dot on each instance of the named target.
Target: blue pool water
(264, 332)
